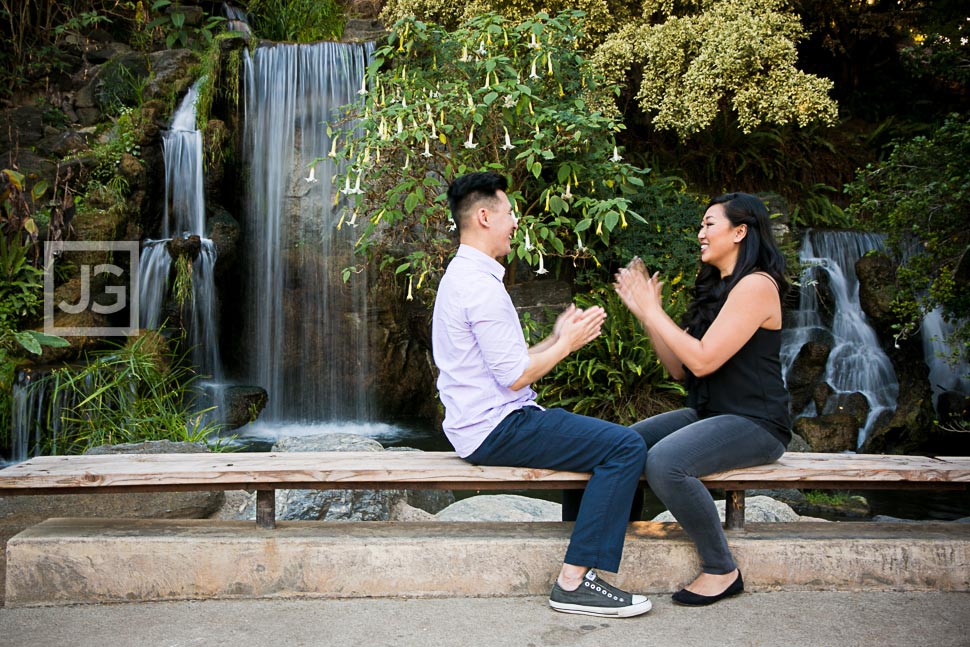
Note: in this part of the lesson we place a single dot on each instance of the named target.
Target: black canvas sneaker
(594, 597)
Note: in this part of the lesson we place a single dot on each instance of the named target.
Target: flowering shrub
(519, 99)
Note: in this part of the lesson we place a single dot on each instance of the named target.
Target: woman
(728, 353)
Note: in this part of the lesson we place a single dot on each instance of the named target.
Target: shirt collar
(482, 260)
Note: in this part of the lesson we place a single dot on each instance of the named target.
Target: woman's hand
(640, 292)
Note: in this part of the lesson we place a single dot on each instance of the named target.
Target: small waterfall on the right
(856, 363)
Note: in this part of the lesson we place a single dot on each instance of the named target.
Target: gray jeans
(681, 448)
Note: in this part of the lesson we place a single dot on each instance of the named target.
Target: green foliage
(492, 95)
(921, 195)
(171, 21)
(602, 16)
(123, 138)
(182, 288)
(121, 86)
(617, 376)
(21, 287)
(699, 59)
(133, 393)
(667, 241)
(297, 21)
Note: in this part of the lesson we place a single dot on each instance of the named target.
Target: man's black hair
(468, 188)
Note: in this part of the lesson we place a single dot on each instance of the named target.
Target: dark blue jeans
(557, 439)
(681, 447)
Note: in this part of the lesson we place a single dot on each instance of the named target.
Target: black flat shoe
(690, 599)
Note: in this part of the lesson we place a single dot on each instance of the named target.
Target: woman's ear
(740, 232)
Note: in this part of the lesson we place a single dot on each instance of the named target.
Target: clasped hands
(638, 290)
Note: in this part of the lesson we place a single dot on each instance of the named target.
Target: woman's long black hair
(758, 253)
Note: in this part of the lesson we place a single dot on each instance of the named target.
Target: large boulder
(836, 432)
(757, 509)
(805, 373)
(501, 507)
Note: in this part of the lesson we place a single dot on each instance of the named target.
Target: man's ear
(482, 215)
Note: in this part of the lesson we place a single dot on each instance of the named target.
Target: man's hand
(578, 327)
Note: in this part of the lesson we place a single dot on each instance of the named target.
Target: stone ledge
(71, 561)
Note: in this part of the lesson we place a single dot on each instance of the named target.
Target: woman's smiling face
(719, 239)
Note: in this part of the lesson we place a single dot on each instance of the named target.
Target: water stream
(308, 330)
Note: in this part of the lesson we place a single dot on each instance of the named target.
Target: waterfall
(856, 362)
(35, 414)
(184, 216)
(307, 329)
(945, 375)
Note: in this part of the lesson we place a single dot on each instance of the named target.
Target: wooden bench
(264, 473)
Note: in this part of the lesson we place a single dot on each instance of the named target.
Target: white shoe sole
(603, 612)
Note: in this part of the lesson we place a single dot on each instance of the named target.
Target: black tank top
(749, 384)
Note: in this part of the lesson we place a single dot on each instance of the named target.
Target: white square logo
(119, 289)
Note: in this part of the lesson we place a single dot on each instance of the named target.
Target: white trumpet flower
(533, 74)
(333, 151)
(363, 85)
(312, 177)
(542, 268)
(471, 139)
(616, 155)
(427, 152)
(508, 142)
(528, 242)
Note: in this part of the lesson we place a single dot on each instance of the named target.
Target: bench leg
(266, 508)
(734, 510)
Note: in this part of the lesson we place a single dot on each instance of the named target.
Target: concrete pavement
(789, 619)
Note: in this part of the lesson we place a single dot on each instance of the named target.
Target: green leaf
(28, 341)
(411, 202)
(402, 267)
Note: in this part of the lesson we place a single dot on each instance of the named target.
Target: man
(491, 417)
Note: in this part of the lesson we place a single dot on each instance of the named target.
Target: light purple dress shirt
(479, 348)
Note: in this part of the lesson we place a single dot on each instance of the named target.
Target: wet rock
(805, 373)
(877, 288)
(855, 404)
(242, 405)
(188, 247)
(835, 432)
(172, 72)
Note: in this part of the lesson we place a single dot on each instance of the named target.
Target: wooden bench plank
(346, 470)
(267, 472)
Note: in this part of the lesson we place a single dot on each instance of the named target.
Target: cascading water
(308, 329)
(184, 216)
(856, 362)
(946, 373)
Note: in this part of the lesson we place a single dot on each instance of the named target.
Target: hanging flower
(410, 296)
(528, 243)
(508, 142)
(567, 196)
(363, 85)
(333, 151)
(481, 49)
(542, 268)
(533, 74)
(533, 43)
(616, 155)
(471, 139)
(311, 178)
(579, 243)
